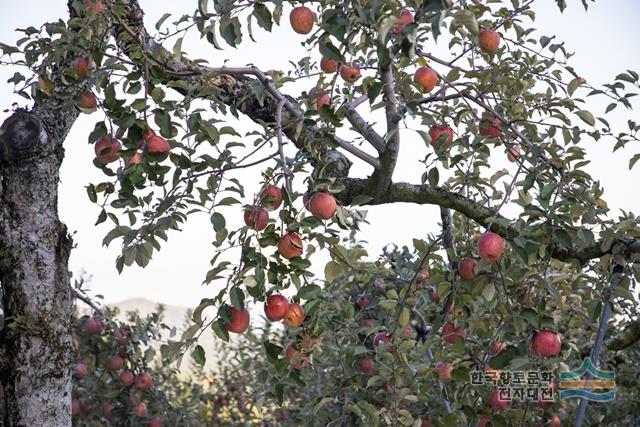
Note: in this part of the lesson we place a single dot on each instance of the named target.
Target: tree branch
(487, 217)
(236, 92)
(364, 128)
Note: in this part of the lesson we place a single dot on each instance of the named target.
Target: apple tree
(167, 144)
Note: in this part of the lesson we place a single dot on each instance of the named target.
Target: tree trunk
(34, 252)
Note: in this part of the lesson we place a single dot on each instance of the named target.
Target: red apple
(107, 408)
(496, 403)
(136, 159)
(156, 144)
(444, 371)
(466, 268)
(322, 205)
(544, 404)
(436, 133)
(294, 315)
(115, 362)
(256, 217)
(484, 421)
(93, 6)
(490, 247)
(488, 40)
(88, 101)
(422, 275)
(555, 421)
(107, 149)
(545, 343)
(513, 153)
(301, 19)
(75, 407)
(141, 410)
(155, 422)
(362, 301)
(271, 197)
(328, 65)
(93, 326)
(405, 18)
(126, 378)
(322, 101)
(450, 333)
(83, 66)
(119, 336)
(496, 347)
(426, 78)
(239, 320)
(143, 381)
(381, 337)
(290, 245)
(80, 370)
(349, 72)
(425, 422)
(365, 365)
(490, 127)
(275, 307)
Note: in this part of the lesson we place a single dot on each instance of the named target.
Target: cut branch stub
(22, 138)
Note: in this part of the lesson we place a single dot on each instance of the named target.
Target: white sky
(605, 41)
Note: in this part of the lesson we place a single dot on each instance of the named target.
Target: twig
(84, 298)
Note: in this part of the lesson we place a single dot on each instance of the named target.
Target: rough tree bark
(34, 252)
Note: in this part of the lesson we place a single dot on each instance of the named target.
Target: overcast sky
(605, 41)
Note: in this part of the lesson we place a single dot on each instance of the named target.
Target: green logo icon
(597, 385)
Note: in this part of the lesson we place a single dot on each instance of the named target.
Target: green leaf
(405, 316)
(309, 292)
(586, 117)
(199, 355)
(263, 16)
(237, 298)
(360, 199)
(329, 51)
(231, 31)
(220, 330)
(332, 270)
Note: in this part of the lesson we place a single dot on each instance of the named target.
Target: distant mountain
(174, 316)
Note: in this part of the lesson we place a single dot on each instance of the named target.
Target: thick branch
(364, 128)
(487, 217)
(236, 91)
